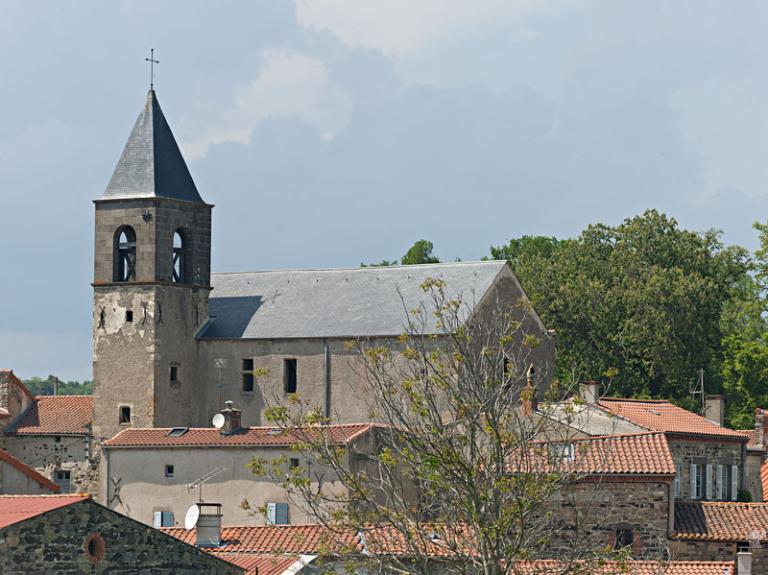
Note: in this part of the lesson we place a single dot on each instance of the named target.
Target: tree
(419, 253)
(459, 478)
(641, 301)
(39, 386)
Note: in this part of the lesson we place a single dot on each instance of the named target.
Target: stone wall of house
(50, 453)
(12, 398)
(58, 542)
(687, 450)
(588, 514)
(752, 481)
(693, 550)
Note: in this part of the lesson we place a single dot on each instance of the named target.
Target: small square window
(248, 365)
(57, 439)
(624, 538)
(174, 373)
(294, 461)
(125, 414)
(62, 478)
(129, 316)
(169, 470)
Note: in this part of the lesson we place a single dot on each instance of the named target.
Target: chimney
(231, 419)
(589, 391)
(714, 408)
(760, 427)
(744, 563)
(528, 397)
(209, 525)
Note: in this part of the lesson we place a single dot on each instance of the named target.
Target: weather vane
(152, 63)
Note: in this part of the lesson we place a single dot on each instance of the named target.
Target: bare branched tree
(467, 470)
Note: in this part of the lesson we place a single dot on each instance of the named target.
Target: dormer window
(125, 255)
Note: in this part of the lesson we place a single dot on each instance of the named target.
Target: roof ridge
(638, 400)
(367, 268)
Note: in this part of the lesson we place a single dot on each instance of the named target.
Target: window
(174, 373)
(61, 477)
(129, 315)
(698, 480)
(562, 451)
(678, 479)
(124, 267)
(294, 461)
(624, 538)
(169, 470)
(727, 482)
(248, 378)
(277, 513)
(163, 519)
(289, 376)
(57, 439)
(125, 414)
(179, 263)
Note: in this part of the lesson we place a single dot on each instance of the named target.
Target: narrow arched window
(179, 258)
(125, 255)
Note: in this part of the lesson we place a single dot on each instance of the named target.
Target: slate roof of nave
(353, 302)
(151, 165)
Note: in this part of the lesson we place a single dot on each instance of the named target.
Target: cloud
(289, 85)
(403, 28)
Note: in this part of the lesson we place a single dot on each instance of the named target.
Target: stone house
(147, 472)
(53, 435)
(15, 398)
(171, 340)
(72, 534)
(16, 478)
(710, 459)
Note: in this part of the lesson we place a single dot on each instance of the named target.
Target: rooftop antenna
(697, 391)
(203, 479)
(152, 63)
(220, 364)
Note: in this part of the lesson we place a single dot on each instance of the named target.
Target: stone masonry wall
(588, 514)
(691, 550)
(687, 450)
(56, 542)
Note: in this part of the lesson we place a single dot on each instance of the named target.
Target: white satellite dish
(218, 421)
(192, 516)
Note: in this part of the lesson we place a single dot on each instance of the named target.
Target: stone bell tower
(151, 283)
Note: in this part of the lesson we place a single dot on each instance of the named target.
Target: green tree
(641, 301)
(419, 253)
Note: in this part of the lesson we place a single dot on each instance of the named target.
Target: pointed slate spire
(152, 165)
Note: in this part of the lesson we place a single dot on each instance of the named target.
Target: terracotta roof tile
(634, 568)
(627, 454)
(720, 521)
(57, 415)
(657, 415)
(275, 539)
(16, 508)
(764, 478)
(261, 564)
(28, 471)
(211, 437)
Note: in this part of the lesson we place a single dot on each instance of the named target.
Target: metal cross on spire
(152, 63)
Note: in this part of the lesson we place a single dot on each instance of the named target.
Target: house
(710, 459)
(16, 478)
(72, 534)
(147, 473)
(51, 434)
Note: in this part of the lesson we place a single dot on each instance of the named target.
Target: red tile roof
(261, 564)
(276, 539)
(764, 478)
(248, 437)
(28, 471)
(659, 415)
(624, 454)
(720, 521)
(633, 568)
(57, 415)
(16, 508)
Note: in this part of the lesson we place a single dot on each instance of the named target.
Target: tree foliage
(40, 386)
(641, 302)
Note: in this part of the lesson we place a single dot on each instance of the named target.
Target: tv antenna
(697, 392)
(219, 363)
(203, 479)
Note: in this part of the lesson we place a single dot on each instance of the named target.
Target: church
(172, 341)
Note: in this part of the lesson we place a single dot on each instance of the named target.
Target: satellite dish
(190, 519)
(218, 421)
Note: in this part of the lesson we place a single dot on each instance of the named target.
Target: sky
(334, 132)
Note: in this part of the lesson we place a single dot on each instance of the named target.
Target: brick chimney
(714, 408)
(761, 427)
(528, 398)
(231, 419)
(589, 391)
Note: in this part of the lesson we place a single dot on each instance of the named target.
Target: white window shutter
(734, 482)
(157, 519)
(720, 482)
(693, 481)
(678, 479)
(708, 481)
